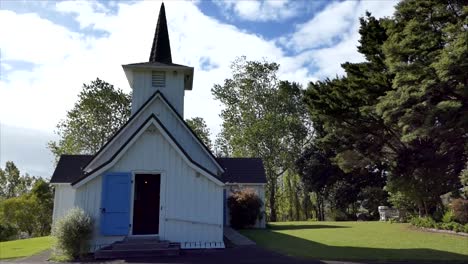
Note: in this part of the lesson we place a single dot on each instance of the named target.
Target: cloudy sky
(49, 49)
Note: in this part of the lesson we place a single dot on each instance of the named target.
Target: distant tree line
(26, 204)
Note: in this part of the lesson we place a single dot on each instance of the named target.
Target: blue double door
(116, 204)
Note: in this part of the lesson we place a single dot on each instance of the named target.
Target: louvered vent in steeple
(158, 79)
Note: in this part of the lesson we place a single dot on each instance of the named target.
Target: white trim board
(243, 183)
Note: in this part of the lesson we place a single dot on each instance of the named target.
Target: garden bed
(442, 231)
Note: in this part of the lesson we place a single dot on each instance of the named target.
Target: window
(158, 79)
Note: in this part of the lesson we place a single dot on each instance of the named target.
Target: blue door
(115, 203)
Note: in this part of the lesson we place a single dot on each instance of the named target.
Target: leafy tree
(42, 193)
(464, 180)
(31, 212)
(12, 184)
(427, 53)
(402, 114)
(99, 112)
(343, 109)
(3, 184)
(20, 212)
(198, 125)
(371, 197)
(318, 175)
(291, 198)
(263, 117)
(13, 179)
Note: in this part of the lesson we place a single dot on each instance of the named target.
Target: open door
(146, 204)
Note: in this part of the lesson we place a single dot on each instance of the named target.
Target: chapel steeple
(161, 49)
(159, 73)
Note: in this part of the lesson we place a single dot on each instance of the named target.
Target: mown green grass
(376, 241)
(24, 247)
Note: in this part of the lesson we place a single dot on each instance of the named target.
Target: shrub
(454, 226)
(7, 232)
(448, 217)
(244, 207)
(428, 222)
(425, 222)
(73, 232)
(460, 210)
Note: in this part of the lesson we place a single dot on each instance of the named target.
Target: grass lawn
(359, 241)
(24, 247)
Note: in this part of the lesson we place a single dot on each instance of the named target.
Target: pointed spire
(161, 49)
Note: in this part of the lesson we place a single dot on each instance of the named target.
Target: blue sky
(49, 49)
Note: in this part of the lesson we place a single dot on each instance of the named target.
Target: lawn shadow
(295, 246)
(303, 226)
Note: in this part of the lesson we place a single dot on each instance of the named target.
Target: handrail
(191, 221)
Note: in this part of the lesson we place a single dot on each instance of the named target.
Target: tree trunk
(306, 205)
(297, 204)
(320, 216)
(272, 202)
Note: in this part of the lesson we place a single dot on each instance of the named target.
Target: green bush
(425, 222)
(454, 226)
(73, 233)
(460, 210)
(244, 207)
(448, 217)
(7, 232)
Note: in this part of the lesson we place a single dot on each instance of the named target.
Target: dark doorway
(146, 204)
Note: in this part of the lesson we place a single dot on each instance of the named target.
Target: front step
(138, 248)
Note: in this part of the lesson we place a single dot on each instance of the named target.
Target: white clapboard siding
(192, 204)
(173, 89)
(172, 123)
(64, 200)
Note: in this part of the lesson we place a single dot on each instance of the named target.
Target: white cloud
(261, 10)
(335, 20)
(331, 37)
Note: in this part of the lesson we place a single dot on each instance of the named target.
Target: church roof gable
(157, 94)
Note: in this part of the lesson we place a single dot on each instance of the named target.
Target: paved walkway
(236, 255)
(236, 238)
(38, 258)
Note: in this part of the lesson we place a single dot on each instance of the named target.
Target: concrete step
(143, 245)
(140, 239)
(111, 253)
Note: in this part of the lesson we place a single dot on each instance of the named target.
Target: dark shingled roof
(238, 170)
(70, 168)
(158, 64)
(161, 49)
(242, 170)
